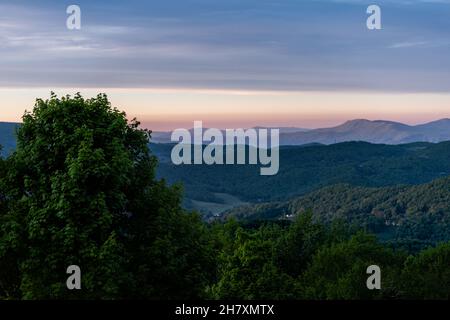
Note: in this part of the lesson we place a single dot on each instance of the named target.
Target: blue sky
(254, 62)
(245, 45)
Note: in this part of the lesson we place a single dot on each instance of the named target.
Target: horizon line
(284, 127)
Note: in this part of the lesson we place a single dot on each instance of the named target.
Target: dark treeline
(306, 260)
(80, 189)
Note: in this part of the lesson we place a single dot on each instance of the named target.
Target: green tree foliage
(248, 268)
(308, 168)
(308, 260)
(417, 216)
(338, 271)
(427, 275)
(81, 189)
(296, 246)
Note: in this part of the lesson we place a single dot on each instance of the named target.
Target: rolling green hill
(413, 214)
(309, 168)
(384, 188)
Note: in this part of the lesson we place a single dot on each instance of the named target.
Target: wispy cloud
(411, 44)
(227, 45)
(420, 44)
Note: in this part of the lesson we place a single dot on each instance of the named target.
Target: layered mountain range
(378, 131)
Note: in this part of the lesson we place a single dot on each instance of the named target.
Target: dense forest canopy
(414, 215)
(81, 189)
(307, 168)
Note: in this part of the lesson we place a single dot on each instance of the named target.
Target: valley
(399, 192)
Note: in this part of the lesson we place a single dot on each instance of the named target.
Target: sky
(232, 63)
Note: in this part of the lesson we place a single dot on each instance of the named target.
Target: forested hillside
(305, 169)
(414, 214)
(302, 169)
(81, 190)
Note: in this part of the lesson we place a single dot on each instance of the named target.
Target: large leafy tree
(297, 246)
(248, 270)
(80, 190)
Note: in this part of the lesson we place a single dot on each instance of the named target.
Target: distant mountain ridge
(373, 131)
(378, 131)
(7, 137)
(164, 136)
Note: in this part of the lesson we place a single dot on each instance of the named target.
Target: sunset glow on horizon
(232, 64)
(167, 109)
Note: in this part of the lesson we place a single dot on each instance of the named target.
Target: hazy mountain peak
(365, 122)
(373, 131)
